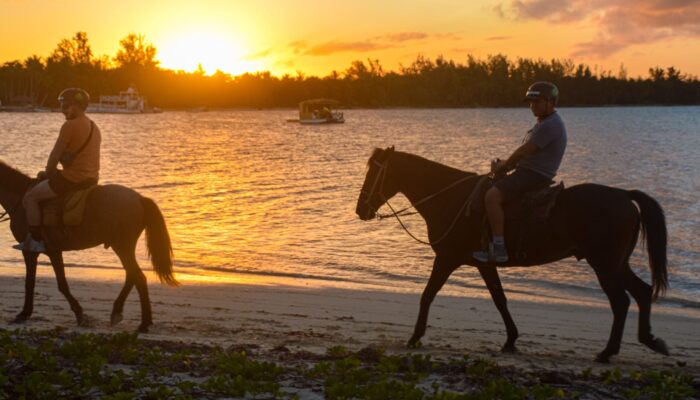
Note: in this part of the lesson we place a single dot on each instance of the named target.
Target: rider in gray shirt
(535, 162)
(549, 135)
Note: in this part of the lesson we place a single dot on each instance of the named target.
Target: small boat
(319, 111)
(126, 102)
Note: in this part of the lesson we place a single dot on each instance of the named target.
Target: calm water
(244, 192)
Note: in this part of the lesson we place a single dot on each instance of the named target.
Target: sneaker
(494, 254)
(30, 245)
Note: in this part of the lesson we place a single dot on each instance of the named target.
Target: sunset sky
(316, 37)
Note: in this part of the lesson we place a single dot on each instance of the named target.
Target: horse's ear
(390, 149)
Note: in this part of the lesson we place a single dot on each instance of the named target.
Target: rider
(535, 162)
(78, 150)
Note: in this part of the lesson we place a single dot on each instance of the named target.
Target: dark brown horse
(114, 216)
(595, 222)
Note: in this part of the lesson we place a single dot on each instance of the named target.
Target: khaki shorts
(61, 185)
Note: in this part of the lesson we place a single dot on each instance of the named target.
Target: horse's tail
(654, 231)
(158, 242)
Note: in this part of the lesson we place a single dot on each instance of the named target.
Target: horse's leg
(442, 268)
(493, 283)
(610, 279)
(642, 292)
(30, 261)
(59, 269)
(127, 255)
(118, 308)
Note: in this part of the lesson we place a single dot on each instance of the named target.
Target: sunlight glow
(210, 49)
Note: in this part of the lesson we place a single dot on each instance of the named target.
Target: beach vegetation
(61, 364)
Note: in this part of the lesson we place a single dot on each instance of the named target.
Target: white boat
(126, 102)
(319, 111)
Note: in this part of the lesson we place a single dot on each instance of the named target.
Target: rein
(403, 212)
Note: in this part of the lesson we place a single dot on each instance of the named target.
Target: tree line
(495, 81)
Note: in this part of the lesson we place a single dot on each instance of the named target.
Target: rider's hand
(501, 166)
(41, 175)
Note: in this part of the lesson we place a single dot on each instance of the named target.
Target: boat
(126, 102)
(319, 111)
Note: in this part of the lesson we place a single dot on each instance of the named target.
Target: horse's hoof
(116, 318)
(84, 321)
(143, 328)
(414, 344)
(602, 358)
(20, 319)
(658, 345)
(509, 348)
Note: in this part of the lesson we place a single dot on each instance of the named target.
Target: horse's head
(377, 189)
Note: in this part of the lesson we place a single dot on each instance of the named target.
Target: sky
(316, 37)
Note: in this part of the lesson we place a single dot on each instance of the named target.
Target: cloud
(391, 40)
(620, 23)
(406, 36)
(336, 47)
(298, 46)
(494, 38)
(261, 54)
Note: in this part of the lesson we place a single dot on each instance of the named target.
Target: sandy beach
(311, 317)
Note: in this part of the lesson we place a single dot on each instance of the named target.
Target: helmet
(542, 90)
(76, 96)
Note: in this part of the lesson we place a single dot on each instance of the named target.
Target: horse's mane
(424, 162)
(12, 179)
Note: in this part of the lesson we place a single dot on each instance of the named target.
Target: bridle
(377, 186)
(378, 180)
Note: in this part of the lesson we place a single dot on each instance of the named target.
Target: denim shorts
(519, 182)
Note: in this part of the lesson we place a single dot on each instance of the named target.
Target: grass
(60, 364)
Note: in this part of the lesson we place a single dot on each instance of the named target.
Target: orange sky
(317, 37)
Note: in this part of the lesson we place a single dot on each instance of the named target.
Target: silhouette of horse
(595, 222)
(114, 216)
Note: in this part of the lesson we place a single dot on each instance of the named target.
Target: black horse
(595, 222)
(114, 216)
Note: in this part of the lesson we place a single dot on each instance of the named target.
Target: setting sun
(212, 50)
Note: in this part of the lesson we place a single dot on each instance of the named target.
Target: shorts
(61, 185)
(519, 182)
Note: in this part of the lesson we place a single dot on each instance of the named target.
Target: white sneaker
(30, 245)
(494, 254)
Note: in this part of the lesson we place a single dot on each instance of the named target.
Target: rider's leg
(494, 209)
(42, 191)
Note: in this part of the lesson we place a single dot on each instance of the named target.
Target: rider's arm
(57, 151)
(522, 151)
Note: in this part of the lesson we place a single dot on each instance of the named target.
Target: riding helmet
(542, 90)
(74, 96)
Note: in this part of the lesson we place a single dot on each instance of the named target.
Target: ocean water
(245, 193)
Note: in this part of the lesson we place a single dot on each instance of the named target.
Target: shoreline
(313, 319)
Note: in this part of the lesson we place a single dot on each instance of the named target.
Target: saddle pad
(74, 206)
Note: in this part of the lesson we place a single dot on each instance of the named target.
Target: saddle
(66, 210)
(525, 217)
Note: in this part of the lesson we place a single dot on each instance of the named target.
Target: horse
(114, 216)
(589, 221)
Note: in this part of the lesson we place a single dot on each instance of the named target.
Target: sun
(212, 50)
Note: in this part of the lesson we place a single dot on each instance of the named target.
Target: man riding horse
(535, 162)
(78, 150)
